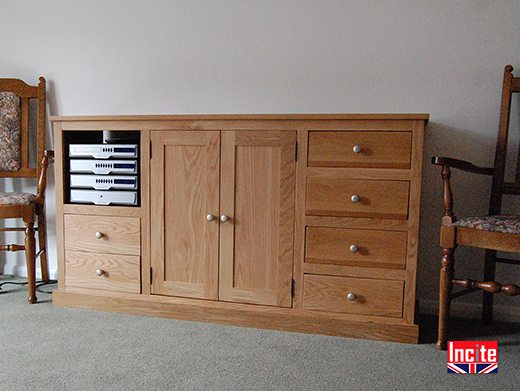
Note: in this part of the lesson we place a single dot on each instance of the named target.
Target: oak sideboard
(296, 222)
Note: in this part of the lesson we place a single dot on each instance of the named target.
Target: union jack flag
(472, 368)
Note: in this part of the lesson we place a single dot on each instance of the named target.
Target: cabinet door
(184, 190)
(257, 194)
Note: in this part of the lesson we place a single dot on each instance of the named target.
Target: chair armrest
(48, 157)
(448, 163)
(461, 165)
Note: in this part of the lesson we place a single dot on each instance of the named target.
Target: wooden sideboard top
(242, 117)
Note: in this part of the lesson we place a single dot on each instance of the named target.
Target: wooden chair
(15, 149)
(493, 232)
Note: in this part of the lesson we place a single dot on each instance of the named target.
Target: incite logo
(472, 357)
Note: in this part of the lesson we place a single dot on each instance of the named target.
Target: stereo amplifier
(103, 197)
(103, 151)
(103, 167)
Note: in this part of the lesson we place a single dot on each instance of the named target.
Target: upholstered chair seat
(508, 224)
(497, 233)
(23, 156)
(17, 199)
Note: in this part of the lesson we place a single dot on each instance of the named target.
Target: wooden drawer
(360, 149)
(356, 247)
(371, 296)
(118, 235)
(118, 272)
(331, 196)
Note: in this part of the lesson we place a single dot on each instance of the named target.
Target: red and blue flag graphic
(472, 368)
(472, 357)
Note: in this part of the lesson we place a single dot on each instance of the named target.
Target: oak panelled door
(185, 176)
(257, 193)
(225, 215)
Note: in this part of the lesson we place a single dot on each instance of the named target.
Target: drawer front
(360, 149)
(356, 247)
(113, 235)
(117, 272)
(371, 296)
(330, 196)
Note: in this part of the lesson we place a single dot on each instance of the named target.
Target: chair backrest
(500, 186)
(15, 96)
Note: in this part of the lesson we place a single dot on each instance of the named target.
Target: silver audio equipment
(103, 151)
(103, 167)
(104, 182)
(103, 197)
(105, 174)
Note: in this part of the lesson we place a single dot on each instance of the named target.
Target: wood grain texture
(31, 161)
(185, 172)
(494, 243)
(384, 249)
(121, 273)
(272, 202)
(414, 208)
(145, 212)
(257, 193)
(59, 173)
(354, 271)
(330, 196)
(97, 210)
(356, 222)
(300, 218)
(263, 317)
(486, 239)
(184, 209)
(121, 235)
(376, 121)
(377, 149)
(360, 173)
(372, 297)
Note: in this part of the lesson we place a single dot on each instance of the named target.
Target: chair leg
(42, 242)
(489, 275)
(446, 286)
(30, 255)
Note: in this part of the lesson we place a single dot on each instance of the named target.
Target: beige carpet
(52, 348)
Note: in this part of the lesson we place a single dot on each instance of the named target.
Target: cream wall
(279, 56)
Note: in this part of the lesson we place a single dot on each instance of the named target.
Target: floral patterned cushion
(10, 130)
(17, 199)
(509, 224)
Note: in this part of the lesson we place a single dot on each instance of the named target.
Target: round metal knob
(354, 198)
(356, 149)
(99, 235)
(100, 272)
(354, 248)
(210, 217)
(351, 296)
(224, 218)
